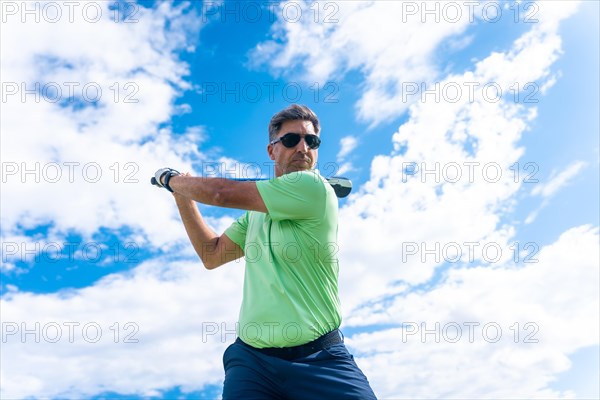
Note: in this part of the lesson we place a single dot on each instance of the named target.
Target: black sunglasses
(290, 140)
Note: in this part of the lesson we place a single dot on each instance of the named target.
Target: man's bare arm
(213, 250)
(219, 192)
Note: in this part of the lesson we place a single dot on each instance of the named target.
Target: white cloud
(348, 144)
(545, 313)
(179, 344)
(81, 166)
(547, 190)
(388, 52)
(84, 162)
(158, 326)
(450, 185)
(558, 181)
(532, 216)
(6, 267)
(394, 45)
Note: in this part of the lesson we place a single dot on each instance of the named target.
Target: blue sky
(101, 294)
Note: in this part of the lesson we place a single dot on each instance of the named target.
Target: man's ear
(270, 151)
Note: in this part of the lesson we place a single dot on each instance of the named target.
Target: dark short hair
(293, 112)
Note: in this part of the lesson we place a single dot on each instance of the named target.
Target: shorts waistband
(295, 352)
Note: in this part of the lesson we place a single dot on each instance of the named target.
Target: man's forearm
(202, 190)
(202, 237)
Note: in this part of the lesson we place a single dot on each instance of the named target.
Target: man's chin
(299, 166)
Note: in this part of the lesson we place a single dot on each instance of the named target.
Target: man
(289, 345)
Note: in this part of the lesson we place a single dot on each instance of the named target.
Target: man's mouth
(304, 160)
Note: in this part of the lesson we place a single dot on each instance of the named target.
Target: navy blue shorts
(329, 374)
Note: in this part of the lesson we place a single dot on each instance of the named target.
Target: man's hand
(162, 177)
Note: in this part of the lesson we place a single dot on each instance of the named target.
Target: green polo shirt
(291, 278)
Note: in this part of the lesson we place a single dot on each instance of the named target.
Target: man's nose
(302, 145)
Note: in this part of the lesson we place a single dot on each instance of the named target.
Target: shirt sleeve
(297, 195)
(237, 231)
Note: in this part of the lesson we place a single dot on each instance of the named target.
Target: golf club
(341, 186)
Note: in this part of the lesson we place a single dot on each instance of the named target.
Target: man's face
(298, 158)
